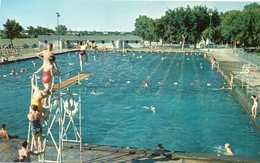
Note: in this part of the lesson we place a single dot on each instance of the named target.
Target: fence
(250, 58)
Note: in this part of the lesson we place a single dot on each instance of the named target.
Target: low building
(102, 41)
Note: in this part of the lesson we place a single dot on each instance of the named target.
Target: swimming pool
(191, 113)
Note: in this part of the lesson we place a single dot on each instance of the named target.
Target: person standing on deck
(45, 55)
(231, 82)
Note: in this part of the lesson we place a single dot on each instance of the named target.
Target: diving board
(70, 81)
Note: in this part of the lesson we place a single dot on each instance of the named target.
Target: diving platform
(70, 81)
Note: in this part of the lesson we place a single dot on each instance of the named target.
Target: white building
(110, 42)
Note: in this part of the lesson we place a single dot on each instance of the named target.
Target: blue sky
(99, 15)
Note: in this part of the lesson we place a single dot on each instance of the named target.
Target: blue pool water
(191, 114)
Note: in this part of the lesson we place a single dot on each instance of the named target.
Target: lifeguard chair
(64, 120)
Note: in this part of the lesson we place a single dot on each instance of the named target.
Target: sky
(98, 15)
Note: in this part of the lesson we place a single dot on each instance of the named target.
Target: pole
(58, 15)
(209, 37)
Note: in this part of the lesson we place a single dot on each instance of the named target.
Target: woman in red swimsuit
(47, 69)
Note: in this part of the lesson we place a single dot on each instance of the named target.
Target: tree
(232, 25)
(242, 27)
(144, 27)
(251, 26)
(61, 30)
(12, 29)
(34, 32)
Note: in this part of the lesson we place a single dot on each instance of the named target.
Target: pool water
(191, 115)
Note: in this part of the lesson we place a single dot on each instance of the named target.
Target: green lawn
(20, 41)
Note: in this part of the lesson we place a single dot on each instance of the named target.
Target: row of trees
(13, 29)
(200, 23)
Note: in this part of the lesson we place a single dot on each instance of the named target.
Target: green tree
(250, 33)
(144, 27)
(232, 25)
(34, 32)
(12, 29)
(159, 29)
(61, 30)
(242, 27)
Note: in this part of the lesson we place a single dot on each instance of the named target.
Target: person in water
(47, 76)
(228, 150)
(4, 133)
(36, 128)
(39, 96)
(93, 92)
(45, 55)
(24, 153)
(254, 109)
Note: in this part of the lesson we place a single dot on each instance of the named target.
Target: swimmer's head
(34, 107)
(52, 59)
(24, 144)
(227, 145)
(50, 46)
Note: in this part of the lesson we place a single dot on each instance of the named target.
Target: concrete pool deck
(100, 153)
(245, 84)
(96, 153)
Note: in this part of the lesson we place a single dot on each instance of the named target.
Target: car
(34, 46)
(25, 46)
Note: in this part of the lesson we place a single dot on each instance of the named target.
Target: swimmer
(213, 63)
(13, 72)
(145, 84)
(83, 57)
(254, 109)
(152, 108)
(93, 92)
(201, 67)
(4, 133)
(34, 64)
(231, 81)
(47, 76)
(94, 58)
(45, 55)
(128, 81)
(228, 150)
(160, 147)
(111, 81)
(21, 70)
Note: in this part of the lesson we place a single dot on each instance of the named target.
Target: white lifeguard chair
(64, 107)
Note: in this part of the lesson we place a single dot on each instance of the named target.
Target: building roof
(89, 37)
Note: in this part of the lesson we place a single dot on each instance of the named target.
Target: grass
(20, 41)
